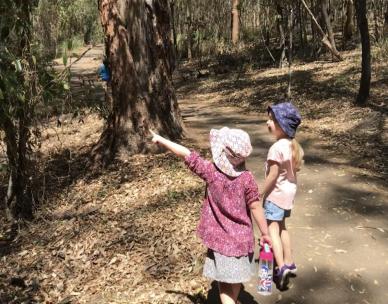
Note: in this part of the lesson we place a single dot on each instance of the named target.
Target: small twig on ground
(370, 227)
(80, 57)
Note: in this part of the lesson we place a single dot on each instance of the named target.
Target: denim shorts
(274, 213)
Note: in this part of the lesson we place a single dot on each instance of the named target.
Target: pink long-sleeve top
(225, 224)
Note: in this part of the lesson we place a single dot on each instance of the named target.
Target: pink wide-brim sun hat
(235, 139)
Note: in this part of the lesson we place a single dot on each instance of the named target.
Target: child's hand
(155, 137)
(175, 148)
(265, 238)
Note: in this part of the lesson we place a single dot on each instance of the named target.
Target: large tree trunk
(235, 22)
(362, 22)
(140, 52)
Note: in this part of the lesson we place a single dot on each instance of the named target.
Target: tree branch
(325, 39)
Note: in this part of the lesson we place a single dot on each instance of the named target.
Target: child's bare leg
(286, 242)
(229, 292)
(277, 247)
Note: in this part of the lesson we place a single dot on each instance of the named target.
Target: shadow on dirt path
(339, 225)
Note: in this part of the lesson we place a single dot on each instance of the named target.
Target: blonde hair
(297, 155)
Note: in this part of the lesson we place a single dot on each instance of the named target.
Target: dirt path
(135, 249)
(339, 226)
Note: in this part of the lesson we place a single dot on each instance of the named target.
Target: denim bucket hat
(236, 140)
(287, 116)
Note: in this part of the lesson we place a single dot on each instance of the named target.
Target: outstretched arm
(175, 148)
(258, 215)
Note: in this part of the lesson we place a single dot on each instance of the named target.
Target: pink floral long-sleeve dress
(225, 225)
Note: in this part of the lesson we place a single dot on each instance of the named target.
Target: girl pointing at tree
(225, 225)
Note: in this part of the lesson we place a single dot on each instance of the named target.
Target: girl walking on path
(284, 159)
(225, 225)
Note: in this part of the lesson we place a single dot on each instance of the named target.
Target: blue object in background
(103, 72)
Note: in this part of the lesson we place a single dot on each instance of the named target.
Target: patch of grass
(342, 80)
(379, 52)
(71, 45)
